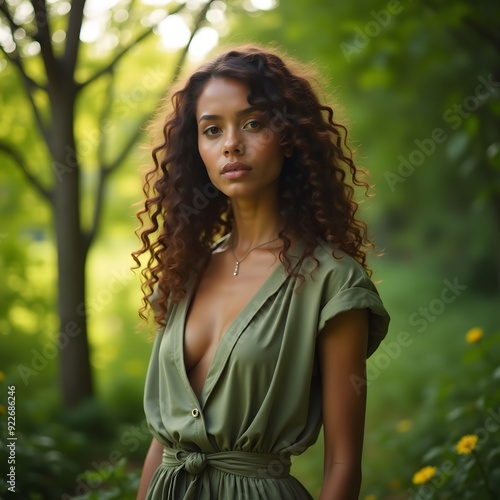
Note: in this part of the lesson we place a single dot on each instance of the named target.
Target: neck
(254, 223)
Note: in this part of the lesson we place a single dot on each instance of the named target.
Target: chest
(219, 299)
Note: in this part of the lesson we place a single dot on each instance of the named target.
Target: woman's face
(243, 157)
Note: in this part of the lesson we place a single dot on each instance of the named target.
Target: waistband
(254, 465)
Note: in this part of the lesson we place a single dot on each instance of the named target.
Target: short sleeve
(153, 298)
(347, 286)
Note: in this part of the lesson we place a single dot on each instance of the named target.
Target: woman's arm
(152, 462)
(342, 353)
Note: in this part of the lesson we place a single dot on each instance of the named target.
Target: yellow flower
(467, 444)
(2, 376)
(2, 409)
(474, 335)
(403, 426)
(370, 497)
(424, 475)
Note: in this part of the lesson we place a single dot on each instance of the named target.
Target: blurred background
(417, 84)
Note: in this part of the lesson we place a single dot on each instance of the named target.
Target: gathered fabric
(241, 463)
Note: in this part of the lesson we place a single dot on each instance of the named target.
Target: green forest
(417, 85)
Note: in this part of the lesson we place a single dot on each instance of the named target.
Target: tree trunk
(75, 371)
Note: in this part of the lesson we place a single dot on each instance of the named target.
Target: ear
(288, 151)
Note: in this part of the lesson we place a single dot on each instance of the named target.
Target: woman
(266, 311)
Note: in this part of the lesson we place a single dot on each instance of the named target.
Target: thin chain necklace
(238, 262)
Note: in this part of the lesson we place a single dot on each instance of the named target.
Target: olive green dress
(261, 402)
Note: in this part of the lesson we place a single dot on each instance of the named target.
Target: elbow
(342, 481)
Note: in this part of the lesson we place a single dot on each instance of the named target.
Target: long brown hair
(186, 213)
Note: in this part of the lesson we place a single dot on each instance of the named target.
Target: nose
(233, 145)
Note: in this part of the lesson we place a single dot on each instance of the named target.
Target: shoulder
(330, 265)
(340, 284)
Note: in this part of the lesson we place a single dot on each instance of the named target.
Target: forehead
(221, 96)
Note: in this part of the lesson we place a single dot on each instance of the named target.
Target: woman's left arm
(342, 348)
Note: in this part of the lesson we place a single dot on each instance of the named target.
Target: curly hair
(186, 213)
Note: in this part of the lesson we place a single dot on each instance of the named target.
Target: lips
(234, 166)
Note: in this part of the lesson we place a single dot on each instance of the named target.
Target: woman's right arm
(152, 462)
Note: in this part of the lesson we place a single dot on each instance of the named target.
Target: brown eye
(252, 125)
(211, 131)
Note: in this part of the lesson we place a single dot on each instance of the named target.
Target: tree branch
(199, 21)
(13, 25)
(483, 32)
(46, 193)
(89, 236)
(73, 35)
(474, 25)
(103, 170)
(124, 51)
(138, 131)
(115, 60)
(28, 85)
(130, 5)
(15, 59)
(106, 109)
(43, 37)
(130, 143)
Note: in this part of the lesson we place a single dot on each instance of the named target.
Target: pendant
(236, 269)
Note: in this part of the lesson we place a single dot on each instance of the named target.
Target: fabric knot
(195, 463)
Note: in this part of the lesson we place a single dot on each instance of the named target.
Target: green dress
(261, 402)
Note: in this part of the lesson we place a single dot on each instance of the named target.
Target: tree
(43, 41)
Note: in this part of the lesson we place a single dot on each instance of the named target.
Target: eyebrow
(245, 111)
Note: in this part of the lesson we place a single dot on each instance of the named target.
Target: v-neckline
(233, 331)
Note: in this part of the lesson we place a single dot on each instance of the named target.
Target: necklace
(238, 262)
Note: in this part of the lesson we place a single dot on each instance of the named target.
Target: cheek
(206, 153)
(209, 159)
(267, 146)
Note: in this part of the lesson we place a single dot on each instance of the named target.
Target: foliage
(51, 448)
(108, 484)
(454, 441)
(42, 462)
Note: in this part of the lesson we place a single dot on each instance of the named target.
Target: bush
(454, 439)
(108, 484)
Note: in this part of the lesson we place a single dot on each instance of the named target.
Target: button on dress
(261, 401)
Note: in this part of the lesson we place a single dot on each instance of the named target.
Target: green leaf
(433, 453)
(493, 457)
(457, 145)
(455, 413)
